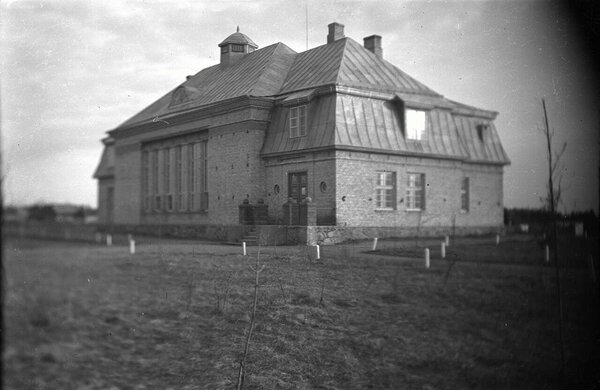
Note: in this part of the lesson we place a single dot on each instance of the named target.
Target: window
(464, 195)
(167, 179)
(224, 49)
(415, 124)
(201, 160)
(174, 175)
(482, 131)
(323, 186)
(385, 191)
(156, 205)
(237, 48)
(191, 182)
(179, 177)
(298, 121)
(415, 191)
(146, 193)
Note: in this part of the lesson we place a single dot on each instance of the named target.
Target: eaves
(194, 114)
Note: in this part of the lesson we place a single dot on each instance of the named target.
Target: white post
(447, 240)
(426, 257)
(374, 244)
(131, 247)
(108, 240)
(497, 239)
(443, 247)
(244, 248)
(547, 254)
(98, 237)
(318, 252)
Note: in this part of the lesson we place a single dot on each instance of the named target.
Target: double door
(298, 191)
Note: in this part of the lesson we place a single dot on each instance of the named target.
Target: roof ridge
(387, 70)
(265, 65)
(337, 72)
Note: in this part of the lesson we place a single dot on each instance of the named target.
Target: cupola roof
(239, 39)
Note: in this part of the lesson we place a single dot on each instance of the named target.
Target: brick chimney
(336, 31)
(373, 44)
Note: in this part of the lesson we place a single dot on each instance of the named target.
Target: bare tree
(554, 196)
(257, 269)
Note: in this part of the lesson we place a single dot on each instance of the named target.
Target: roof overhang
(299, 97)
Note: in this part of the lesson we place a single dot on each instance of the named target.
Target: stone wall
(329, 235)
(223, 233)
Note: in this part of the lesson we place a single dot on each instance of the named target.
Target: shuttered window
(298, 121)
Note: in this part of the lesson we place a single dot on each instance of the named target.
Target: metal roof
(345, 121)
(106, 167)
(346, 63)
(260, 73)
(370, 122)
(238, 38)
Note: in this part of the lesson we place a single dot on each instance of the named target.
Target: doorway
(298, 191)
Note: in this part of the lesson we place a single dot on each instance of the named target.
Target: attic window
(482, 130)
(237, 48)
(415, 124)
(180, 95)
(298, 121)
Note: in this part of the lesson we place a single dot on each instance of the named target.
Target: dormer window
(415, 124)
(298, 121)
(179, 96)
(237, 48)
(482, 130)
(224, 49)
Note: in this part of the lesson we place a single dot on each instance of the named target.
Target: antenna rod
(306, 3)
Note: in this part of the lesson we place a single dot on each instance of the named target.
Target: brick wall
(234, 171)
(235, 138)
(127, 183)
(104, 213)
(356, 178)
(320, 167)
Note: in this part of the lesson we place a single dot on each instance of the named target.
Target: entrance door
(298, 190)
(297, 186)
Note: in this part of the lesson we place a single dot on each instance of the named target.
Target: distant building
(334, 136)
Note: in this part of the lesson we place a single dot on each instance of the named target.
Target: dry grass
(174, 317)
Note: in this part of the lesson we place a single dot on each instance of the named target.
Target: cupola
(235, 47)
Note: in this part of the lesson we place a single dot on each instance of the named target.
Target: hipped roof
(278, 70)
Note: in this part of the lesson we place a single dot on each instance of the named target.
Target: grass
(175, 317)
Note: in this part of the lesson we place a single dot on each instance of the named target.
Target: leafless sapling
(257, 269)
(552, 201)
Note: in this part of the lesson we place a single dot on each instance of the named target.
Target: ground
(175, 316)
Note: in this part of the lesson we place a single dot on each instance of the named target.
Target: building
(334, 143)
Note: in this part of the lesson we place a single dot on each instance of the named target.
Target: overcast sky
(72, 70)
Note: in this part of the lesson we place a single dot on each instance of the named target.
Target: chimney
(373, 44)
(336, 31)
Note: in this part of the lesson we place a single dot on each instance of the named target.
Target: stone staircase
(250, 237)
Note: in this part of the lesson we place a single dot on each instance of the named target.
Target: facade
(334, 136)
